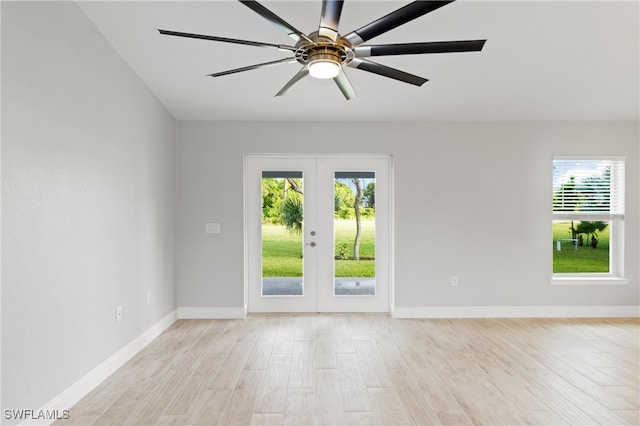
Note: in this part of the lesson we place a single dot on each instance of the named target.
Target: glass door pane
(354, 239)
(282, 231)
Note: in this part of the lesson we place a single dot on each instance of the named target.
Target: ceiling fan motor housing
(324, 54)
(323, 50)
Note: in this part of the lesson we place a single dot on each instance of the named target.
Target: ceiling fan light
(324, 69)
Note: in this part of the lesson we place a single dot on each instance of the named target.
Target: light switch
(213, 228)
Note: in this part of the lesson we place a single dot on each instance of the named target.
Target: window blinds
(588, 187)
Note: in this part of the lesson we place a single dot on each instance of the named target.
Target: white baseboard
(517, 312)
(212, 313)
(86, 384)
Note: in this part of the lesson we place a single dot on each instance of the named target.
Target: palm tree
(292, 215)
(591, 230)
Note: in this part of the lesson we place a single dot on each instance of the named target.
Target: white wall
(471, 200)
(88, 187)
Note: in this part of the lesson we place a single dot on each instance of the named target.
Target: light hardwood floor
(374, 370)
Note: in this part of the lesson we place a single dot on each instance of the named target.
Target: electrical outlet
(118, 313)
(148, 302)
(454, 281)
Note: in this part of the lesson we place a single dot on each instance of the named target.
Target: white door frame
(384, 244)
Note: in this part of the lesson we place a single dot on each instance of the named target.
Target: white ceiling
(544, 60)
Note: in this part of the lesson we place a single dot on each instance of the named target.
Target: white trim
(212, 313)
(392, 237)
(517, 312)
(74, 393)
(591, 157)
(312, 156)
(576, 280)
(587, 216)
(245, 228)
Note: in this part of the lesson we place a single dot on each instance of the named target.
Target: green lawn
(586, 258)
(282, 251)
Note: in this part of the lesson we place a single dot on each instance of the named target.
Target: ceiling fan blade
(386, 71)
(419, 48)
(253, 67)
(345, 85)
(392, 20)
(229, 40)
(283, 25)
(330, 18)
(296, 78)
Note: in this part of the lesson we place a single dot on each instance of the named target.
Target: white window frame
(615, 276)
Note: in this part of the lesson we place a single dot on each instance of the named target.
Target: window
(588, 220)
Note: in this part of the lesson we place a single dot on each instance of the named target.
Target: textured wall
(88, 186)
(483, 212)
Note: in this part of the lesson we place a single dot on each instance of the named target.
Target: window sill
(588, 281)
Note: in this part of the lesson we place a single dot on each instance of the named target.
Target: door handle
(312, 244)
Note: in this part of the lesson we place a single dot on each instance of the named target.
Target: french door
(318, 233)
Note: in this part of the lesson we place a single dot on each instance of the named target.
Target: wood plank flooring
(373, 370)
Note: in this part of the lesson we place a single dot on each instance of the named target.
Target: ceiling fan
(324, 53)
